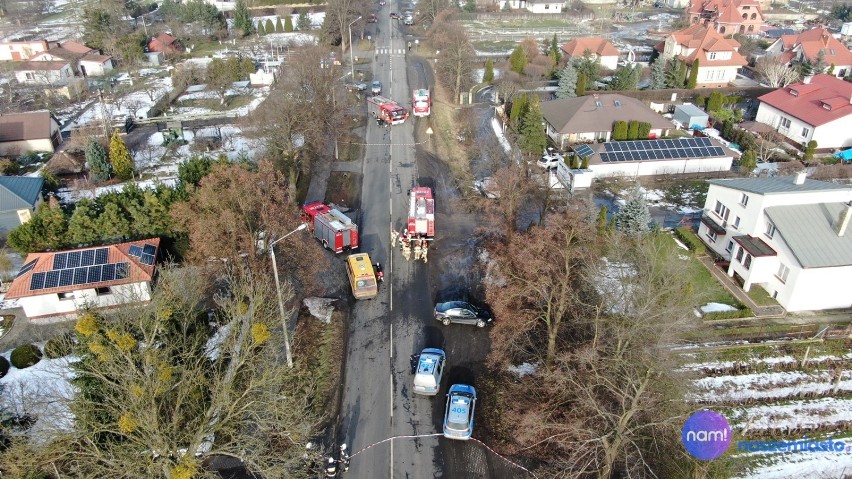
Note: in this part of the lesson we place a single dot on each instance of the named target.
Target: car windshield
(458, 417)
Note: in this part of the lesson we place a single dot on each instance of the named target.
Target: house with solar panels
(788, 234)
(62, 283)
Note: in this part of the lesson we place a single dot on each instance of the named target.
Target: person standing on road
(394, 236)
(425, 251)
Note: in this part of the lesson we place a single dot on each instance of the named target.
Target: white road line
(391, 460)
(391, 394)
(391, 341)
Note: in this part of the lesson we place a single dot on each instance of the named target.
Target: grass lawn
(343, 188)
(496, 47)
(761, 297)
(707, 286)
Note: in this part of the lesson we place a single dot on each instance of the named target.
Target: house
(727, 16)
(166, 44)
(718, 57)
(591, 117)
(17, 51)
(814, 46)
(19, 198)
(60, 283)
(44, 73)
(789, 235)
(536, 6)
(96, 65)
(84, 60)
(599, 47)
(819, 108)
(32, 131)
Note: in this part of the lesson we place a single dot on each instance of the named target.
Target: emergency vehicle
(422, 102)
(387, 110)
(332, 228)
(421, 213)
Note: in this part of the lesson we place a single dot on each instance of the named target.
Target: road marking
(391, 460)
(391, 341)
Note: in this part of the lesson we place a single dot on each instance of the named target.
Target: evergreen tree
(119, 157)
(633, 218)
(581, 84)
(624, 78)
(658, 74)
(819, 65)
(644, 130)
(470, 6)
(519, 108)
(99, 166)
(693, 75)
(261, 30)
(715, 102)
(748, 161)
(270, 27)
(567, 82)
(727, 130)
(113, 224)
(279, 25)
(518, 60)
(810, 149)
(600, 223)
(533, 137)
(303, 22)
(633, 130)
(488, 76)
(681, 75)
(242, 19)
(83, 224)
(46, 230)
(619, 130)
(585, 164)
(575, 162)
(555, 52)
(830, 70)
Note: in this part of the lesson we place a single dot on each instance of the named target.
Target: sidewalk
(775, 311)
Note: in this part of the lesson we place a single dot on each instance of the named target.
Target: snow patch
(498, 131)
(214, 344)
(320, 308)
(716, 308)
(524, 369)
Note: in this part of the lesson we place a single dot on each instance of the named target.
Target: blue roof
(19, 192)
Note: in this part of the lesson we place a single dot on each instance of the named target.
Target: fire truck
(421, 213)
(332, 228)
(386, 109)
(422, 102)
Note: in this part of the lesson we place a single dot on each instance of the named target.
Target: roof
(699, 39)
(634, 151)
(41, 66)
(34, 125)
(812, 42)
(805, 101)
(52, 269)
(726, 10)
(66, 163)
(777, 185)
(76, 47)
(95, 58)
(809, 233)
(165, 39)
(19, 192)
(600, 46)
(597, 112)
(755, 246)
(691, 110)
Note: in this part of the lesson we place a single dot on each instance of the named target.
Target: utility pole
(103, 113)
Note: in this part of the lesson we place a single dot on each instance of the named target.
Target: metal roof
(691, 110)
(809, 233)
(777, 184)
(19, 192)
(755, 246)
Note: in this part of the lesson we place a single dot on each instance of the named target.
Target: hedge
(25, 356)
(4, 366)
(740, 312)
(690, 239)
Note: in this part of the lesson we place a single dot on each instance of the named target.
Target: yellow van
(362, 278)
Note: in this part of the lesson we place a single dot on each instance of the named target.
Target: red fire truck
(335, 230)
(421, 213)
(422, 102)
(386, 109)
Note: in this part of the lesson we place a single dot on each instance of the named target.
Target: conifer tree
(242, 19)
(518, 60)
(270, 27)
(261, 30)
(488, 76)
(600, 223)
(119, 157)
(279, 25)
(581, 84)
(99, 166)
(567, 86)
(658, 74)
(83, 224)
(533, 137)
(633, 218)
(303, 23)
(693, 75)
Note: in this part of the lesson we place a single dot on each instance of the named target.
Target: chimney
(800, 178)
(843, 219)
(807, 79)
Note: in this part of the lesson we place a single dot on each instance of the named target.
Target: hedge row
(741, 312)
(690, 239)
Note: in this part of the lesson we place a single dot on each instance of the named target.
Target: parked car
(461, 312)
(394, 15)
(376, 87)
(430, 368)
(372, 18)
(359, 86)
(458, 418)
(381, 3)
(550, 159)
(408, 20)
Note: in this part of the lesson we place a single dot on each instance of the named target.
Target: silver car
(458, 418)
(376, 87)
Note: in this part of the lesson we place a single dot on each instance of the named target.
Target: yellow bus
(362, 278)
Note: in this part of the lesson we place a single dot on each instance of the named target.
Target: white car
(550, 159)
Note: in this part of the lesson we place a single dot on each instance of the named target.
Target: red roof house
(599, 47)
(718, 57)
(817, 44)
(819, 108)
(727, 16)
(165, 43)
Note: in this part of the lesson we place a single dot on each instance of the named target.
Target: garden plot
(800, 414)
(198, 100)
(156, 159)
(135, 104)
(769, 386)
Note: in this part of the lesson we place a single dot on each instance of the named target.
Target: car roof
(462, 388)
(452, 305)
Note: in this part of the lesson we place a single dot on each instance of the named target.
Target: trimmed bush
(4, 366)
(25, 356)
(58, 347)
(690, 239)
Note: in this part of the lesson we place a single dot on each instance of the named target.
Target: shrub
(690, 239)
(25, 356)
(58, 347)
(4, 366)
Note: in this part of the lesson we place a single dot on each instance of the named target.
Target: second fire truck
(422, 102)
(387, 110)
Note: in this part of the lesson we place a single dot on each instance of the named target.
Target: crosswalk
(390, 51)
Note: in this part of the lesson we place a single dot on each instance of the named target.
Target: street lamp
(351, 61)
(278, 290)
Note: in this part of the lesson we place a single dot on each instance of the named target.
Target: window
(103, 291)
(711, 235)
(751, 28)
(737, 223)
(805, 132)
(747, 262)
(722, 30)
(753, 16)
(783, 271)
(740, 254)
(770, 229)
(730, 246)
(65, 296)
(743, 201)
(598, 103)
(742, 28)
(722, 211)
(617, 104)
(547, 6)
(745, 16)
(711, 55)
(842, 73)
(785, 122)
(30, 76)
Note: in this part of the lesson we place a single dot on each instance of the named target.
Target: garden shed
(690, 116)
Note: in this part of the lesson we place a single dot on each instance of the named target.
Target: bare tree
(772, 70)
(342, 13)
(455, 61)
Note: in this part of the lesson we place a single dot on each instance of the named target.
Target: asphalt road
(393, 433)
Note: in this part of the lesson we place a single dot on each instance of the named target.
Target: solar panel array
(584, 150)
(643, 150)
(26, 268)
(145, 253)
(79, 275)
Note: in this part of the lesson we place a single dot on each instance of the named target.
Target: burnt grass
(320, 350)
(344, 188)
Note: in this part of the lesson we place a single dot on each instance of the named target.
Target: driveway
(25, 331)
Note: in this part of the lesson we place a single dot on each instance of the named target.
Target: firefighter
(394, 236)
(379, 121)
(418, 250)
(425, 251)
(406, 250)
(380, 274)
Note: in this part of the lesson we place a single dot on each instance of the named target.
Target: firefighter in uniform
(425, 251)
(406, 249)
(418, 250)
(394, 236)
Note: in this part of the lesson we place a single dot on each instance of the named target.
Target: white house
(96, 65)
(814, 46)
(44, 73)
(788, 235)
(61, 283)
(818, 108)
(717, 58)
(535, 6)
